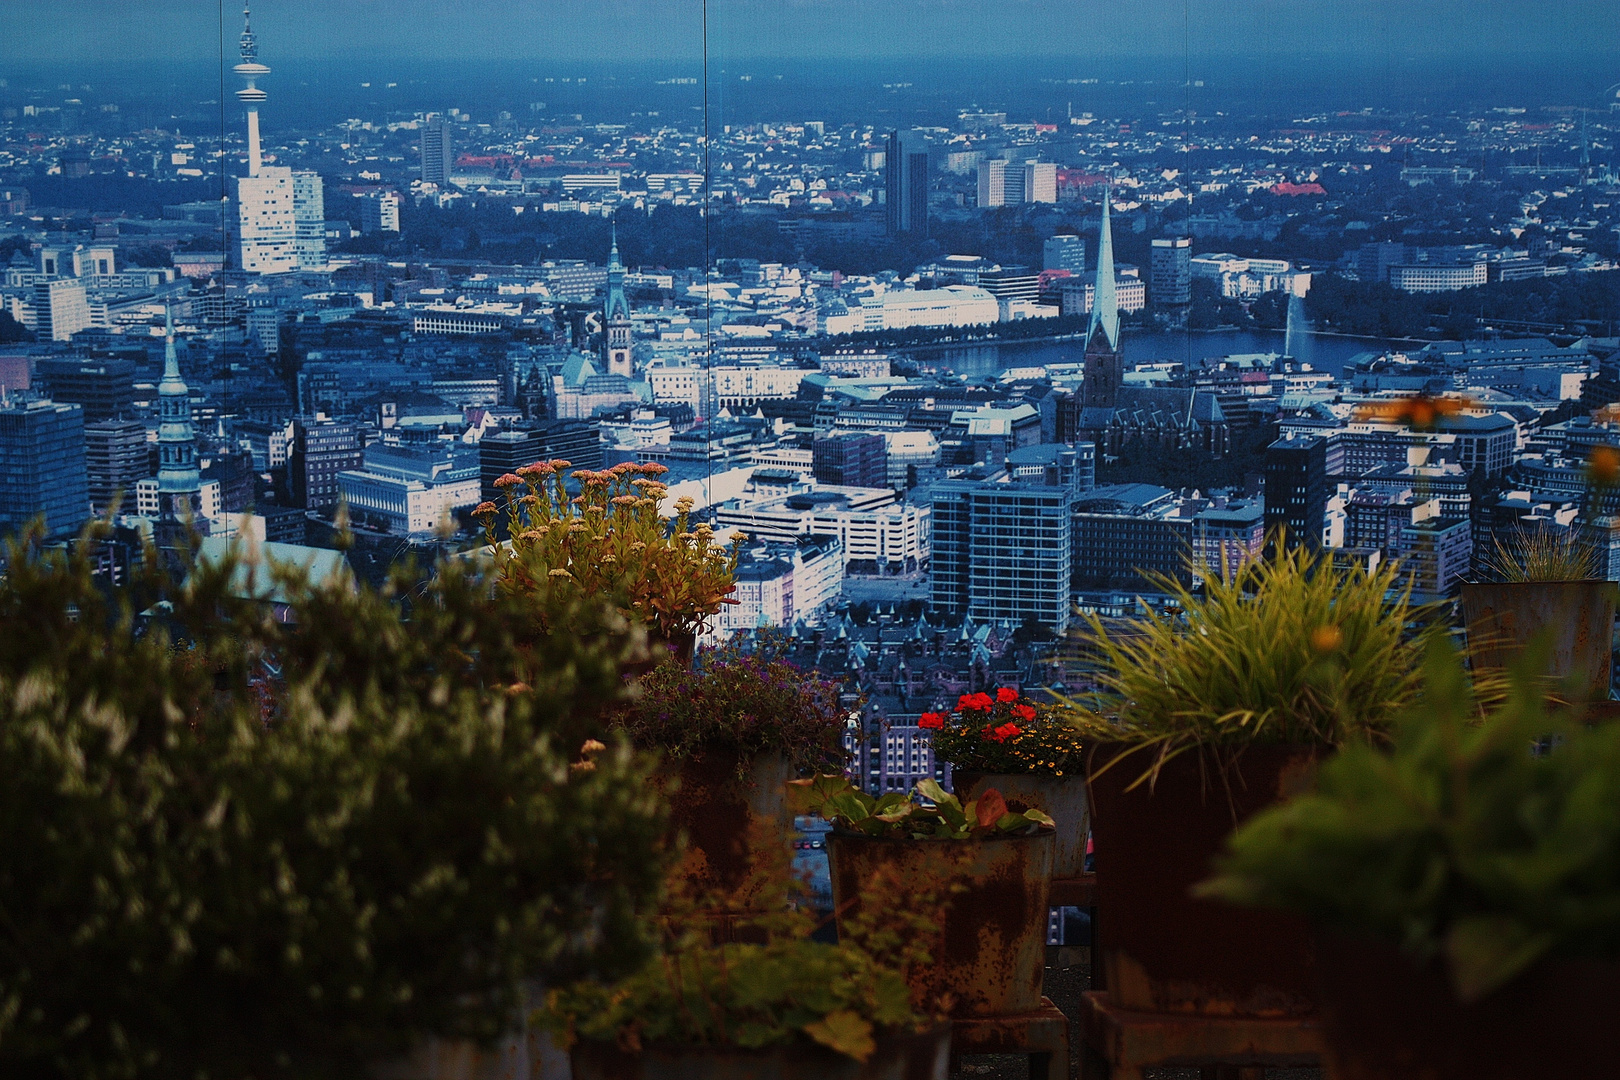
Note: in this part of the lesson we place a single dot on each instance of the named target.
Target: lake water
(1323, 352)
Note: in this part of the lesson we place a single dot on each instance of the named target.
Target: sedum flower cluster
(609, 539)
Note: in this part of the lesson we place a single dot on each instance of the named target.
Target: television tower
(251, 70)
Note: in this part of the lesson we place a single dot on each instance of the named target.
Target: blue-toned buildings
(42, 468)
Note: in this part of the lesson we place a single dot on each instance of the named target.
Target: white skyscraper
(309, 219)
(280, 213)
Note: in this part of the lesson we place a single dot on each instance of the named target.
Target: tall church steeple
(178, 477)
(1104, 367)
(616, 347)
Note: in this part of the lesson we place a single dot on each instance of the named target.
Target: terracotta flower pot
(989, 953)
(718, 810)
(1504, 617)
(1387, 1017)
(1062, 798)
(897, 1057)
(1162, 949)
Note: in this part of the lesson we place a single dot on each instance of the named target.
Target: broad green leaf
(846, 1032)
(1488, 951)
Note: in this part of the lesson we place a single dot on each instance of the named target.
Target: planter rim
(798, 1043)
(1043, 833)
(1040, 775)
(1528, 584)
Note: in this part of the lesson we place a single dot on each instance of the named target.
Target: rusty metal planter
(1389, 1018)
(989, 953)
(716, 810)
(1503, 617)
(1163, 950)
(922, 1056)
(1062, 798)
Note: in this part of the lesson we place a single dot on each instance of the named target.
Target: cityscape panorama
(957, 330)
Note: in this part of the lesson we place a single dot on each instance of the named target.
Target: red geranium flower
(931, 720)
(977, 702)
(1005, 732)
(1006, 693)
(1026, 713)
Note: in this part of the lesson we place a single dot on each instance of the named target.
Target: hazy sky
(369, 30)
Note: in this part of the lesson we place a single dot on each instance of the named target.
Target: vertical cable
(708, 258)
(223, 242)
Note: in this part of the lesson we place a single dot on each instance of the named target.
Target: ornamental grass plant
(1291, 649)
(608, 543)
(1007, 733)
(1542, 554)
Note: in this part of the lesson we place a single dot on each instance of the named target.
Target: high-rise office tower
(280, 213)
(115, 459)
(1039, 180)
(1170, 271)
(906, 183)
(309, 220)
(42, 468)
(436, 152)
(1064, 251)
(855, 459)
(616, 343)
(1298, 474)
(179, 478)
(992, 183)
(61, 308)
(1005, 550)
(379, 212)
(320, 450)
(103, 388)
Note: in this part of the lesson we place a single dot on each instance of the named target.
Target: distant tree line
(1376, 309)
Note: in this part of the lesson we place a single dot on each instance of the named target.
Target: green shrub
(231, 847)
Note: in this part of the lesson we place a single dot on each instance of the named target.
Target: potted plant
(991, 868)
(1464, 884)
(1208, 715)
(609, 542)
(736, 727)
(240, 847)
(784, 1008)
(1545, 582)
(1026, 751)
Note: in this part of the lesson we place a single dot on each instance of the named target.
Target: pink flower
(508, 480)
(1026, 713)
(931, 720)
(1006, 693)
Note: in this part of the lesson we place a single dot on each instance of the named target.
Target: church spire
(616, 343)
(178, 477)
(1105, 298)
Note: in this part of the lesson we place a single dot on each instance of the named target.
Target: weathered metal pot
(720, 811)
(1504, 617)
(989, 950)
(1387, 1017)
(1162, 949)
(1062, 798)
(922, 1056)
